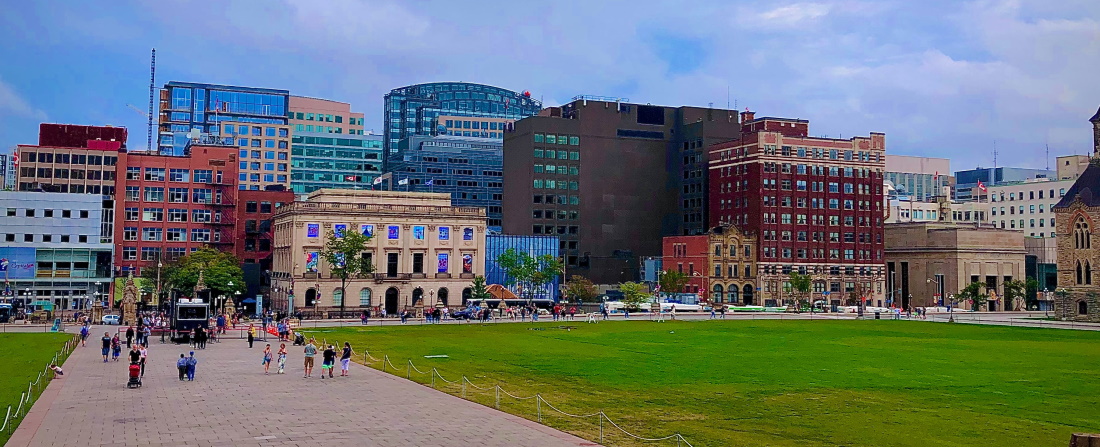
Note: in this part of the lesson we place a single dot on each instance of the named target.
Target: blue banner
(17, 262)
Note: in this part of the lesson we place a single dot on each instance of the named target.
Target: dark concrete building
(609, 179)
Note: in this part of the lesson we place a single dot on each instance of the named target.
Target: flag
(429, 182)
(937, 176)
(403, 181)
(981, 186)
(349, 178)
(378, 180)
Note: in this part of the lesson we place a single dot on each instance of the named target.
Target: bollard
(601, 426)
(497, 389)
(538, 406)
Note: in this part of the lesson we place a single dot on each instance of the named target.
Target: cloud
(12, 103)
(792, 15)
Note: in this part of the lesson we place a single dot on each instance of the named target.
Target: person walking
(145, 333)
(345, 359)
(328, 360)
(192, 363)
(181, 365)
(116, 347)
(573, 313)
(84, 335)
(129, 337)
(310, 351)
(604, 311)
(144, 356)
(106, 346)
(282, 358)
(251, 334)
(267, 359)
(404, 316)
(135, 354)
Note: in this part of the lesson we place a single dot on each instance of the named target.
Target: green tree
(634, 294)
(1015, 290)
(801, 285)
(346, 256)
(1031, 298)
(580, 289)
(672, 281)
(219, 270)
(975, 294)
(479, 291)
(528, 272)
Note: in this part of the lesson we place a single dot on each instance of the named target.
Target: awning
(498, 291)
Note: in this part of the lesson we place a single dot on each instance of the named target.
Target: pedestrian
(404, 316)
(723, 310)
(572, 313)
(56, 370)
(282, 357)
(201, 334)
(106, 346)
(712, 312)
(192, 362)
(181, 365)
(345, 360)
(135, 354)
(144, 355)
(251, 334)
(672, 312)
(267, 358)
(145, 333)
(129, 337)
(310, 351)
(83, 335)
(604, 311)
(328, 360)
(116, 347)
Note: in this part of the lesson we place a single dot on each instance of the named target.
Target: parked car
(465, 314)
(110, 319)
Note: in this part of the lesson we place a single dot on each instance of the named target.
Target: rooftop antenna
(152, 87)
(1048, 156)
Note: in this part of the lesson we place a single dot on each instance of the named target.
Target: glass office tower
(186, 106)
(469, 169)
(325, 160)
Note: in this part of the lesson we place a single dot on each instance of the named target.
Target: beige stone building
(928, 263)
(733, 267)
(1078, 295)
(425, 251)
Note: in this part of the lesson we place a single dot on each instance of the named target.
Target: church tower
(1095, 134)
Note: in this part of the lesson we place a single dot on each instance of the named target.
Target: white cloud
(12, 103)
(788, 16)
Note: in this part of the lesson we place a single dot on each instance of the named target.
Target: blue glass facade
(325, 160)
(497, 244)
(415, 109)
(965, 181)
(185, 106)
(469, 169)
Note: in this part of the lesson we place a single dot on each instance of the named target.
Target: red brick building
(255, 214)
(815, 204)
(687, 255)
(168, 206)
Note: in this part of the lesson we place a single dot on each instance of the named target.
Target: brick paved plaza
(232, 403)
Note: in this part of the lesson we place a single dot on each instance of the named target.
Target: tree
(581, 289)
(801, 285)
(1015, 290)
(634, 294)
(528, 272)
(479, 291)
(1031, 298)
(345, 254)
(219, 270)
(975, 293)
(673, 281)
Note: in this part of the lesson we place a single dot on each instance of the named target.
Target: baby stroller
(299, 340)
(135, 376)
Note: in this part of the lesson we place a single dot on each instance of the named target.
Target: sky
(946, 79)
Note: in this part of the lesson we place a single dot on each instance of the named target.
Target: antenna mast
(152, 87)
(1048, 157)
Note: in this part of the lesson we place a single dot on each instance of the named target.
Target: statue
(129, 300)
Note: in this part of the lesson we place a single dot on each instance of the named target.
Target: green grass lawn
(785, 383)
(22, 357)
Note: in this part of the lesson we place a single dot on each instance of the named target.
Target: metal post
(463, 387)
(497, 390)
(601, 426)
(538, 406)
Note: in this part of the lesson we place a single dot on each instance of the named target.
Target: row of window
(76, 174)
(173, 215)
(63, 238)
(819, 253)
(734, 271)
(552, 229)
(175, 195)
(256, 177)
(154, 253)
(465, 124)
(324, 117)
(556, 154)
(173, 175)
(819, 236)
(554, 184)
(812, 152)
(1031, 223)
(571, 140)
(1031, 195)
(166, 234)
(801, 202)
(557, 169)
(325, 129)
(257, 131)
(266, 155)
(255, 166)
(560, 200)
(818, 170)
(1012, 210)
(106, 190)
(551, 214)
(75, 159)
(476, 134)
(818, 220)
(32, 212)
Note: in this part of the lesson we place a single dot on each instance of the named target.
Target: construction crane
(134, 108)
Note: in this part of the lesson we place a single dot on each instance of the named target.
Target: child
(328, 361)
(116, 347)
(181, 365)
(282, 357)
(57, 370)
(191, 362)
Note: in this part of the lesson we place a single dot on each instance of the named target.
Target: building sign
(311, 261)
(467, 234)
(17, 262)
(393, 231)
(444, 233)
(339, 229)
(418, 232)
(444, 260)
(367, 230)
(313, 230)
(467, 263)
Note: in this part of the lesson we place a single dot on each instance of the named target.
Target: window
(133, 193)
(179, 175)
(152, 234)
(129, 234)
(154, 174)
(129, 253)
(200, 235)
(153, 215)
(176, 235)
(150, 253)
(364, 297)
(200, 216)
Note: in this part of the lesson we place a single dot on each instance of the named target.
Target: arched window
(733, 293)
(1082, 307)
(1079, 272)
(1082, 237)
(718, 298)
(1088, 272)
(337, 297)
(311, 297)
(364, 297)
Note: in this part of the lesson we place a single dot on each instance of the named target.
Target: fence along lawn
(22, 357)
(736, 382)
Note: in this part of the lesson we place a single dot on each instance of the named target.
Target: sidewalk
(232, 403)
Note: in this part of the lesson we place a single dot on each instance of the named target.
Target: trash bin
(876, 315)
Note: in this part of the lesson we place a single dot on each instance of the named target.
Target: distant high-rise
(418, 110)
(469, 169)
(966, 182)
(186, 107)
(324, 116)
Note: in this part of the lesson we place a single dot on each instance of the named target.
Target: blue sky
(940, 78)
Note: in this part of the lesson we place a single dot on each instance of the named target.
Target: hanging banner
(467, 234)
(367, 230)
(393, 231)
(444, 259)
(313, 230)
(444, 233)
(311, 261)
(467, 263)
(17, 262)
(418, 232)
(339, 229)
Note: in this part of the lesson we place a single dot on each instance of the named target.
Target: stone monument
(129, 301)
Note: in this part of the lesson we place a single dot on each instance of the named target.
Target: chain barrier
(34, 389)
